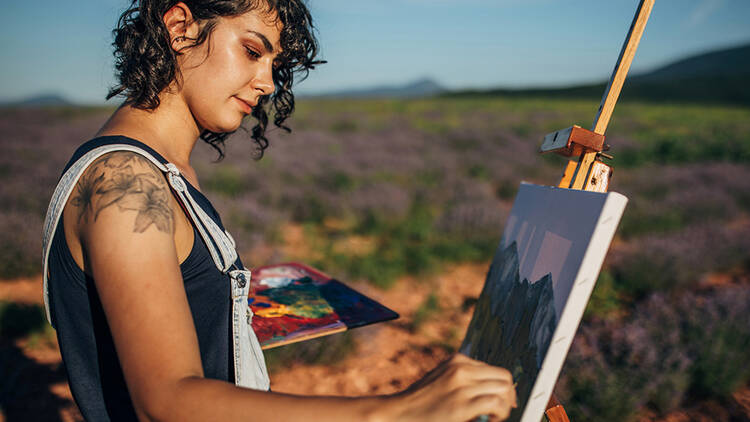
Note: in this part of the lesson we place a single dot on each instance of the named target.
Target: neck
(170, 129)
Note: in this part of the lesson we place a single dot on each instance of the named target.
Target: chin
(225, 125)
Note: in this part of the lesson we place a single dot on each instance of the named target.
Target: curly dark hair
(146, 64)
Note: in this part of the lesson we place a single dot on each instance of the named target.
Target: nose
(263, 80)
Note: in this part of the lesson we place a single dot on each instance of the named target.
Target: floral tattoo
(112, 180)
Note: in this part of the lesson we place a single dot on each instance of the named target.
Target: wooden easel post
(555, 411)
(588, 172)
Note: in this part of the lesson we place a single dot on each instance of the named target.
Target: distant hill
(726, 63)
(720, 76)
(42, 100)
(424, 87)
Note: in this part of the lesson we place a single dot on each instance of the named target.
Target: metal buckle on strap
(241, 280)
(174, 178)
(172, 169)
(242, 277)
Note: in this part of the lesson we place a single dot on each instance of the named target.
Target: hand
(460, 389)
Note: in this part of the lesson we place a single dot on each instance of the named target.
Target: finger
(502, 389)
(462, 358)
(462, 367)
(430, 376)
(490, 405)
(484, 371)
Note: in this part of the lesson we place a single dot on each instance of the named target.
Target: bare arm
(126, 218)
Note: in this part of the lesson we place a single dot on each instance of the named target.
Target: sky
(48, 46)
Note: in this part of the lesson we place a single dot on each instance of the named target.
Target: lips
(246, 106)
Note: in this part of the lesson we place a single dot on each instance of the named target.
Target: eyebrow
(266, 43)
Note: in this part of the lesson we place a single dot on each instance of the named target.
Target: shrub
(478, 171)
(717, 335)
(19, 320)
(327, 350)
(20, 244)
(426, 310)
(227, 181)
(671, 348)
(677, 260)
(605, 301)
(344, 126)
(336, 181)
(418, 243)
(507, 189)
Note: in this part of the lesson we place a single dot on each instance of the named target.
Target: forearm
(201, 399)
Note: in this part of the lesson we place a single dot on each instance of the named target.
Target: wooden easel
(588, 172)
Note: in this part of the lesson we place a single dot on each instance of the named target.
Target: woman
(144, 318)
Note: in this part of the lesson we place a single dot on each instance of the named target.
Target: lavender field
(378, 190)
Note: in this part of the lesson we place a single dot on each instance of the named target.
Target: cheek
(214, 112)
(208, 92)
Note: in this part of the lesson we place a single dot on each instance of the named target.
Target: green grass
(479, 172)
(328, 350)
(343, 126)
(403, 246)
(664, 133)
(506, 189)
(636, 221)
(46, 338)
(605, 395)
(227, 181)
(606, 299)
(677, 134)
(15, 262)
(426, 311)
(20, 320)
(337, 181)
(712, 375)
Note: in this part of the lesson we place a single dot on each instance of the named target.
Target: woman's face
(224, 77)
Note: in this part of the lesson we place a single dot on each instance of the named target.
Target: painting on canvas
(293, 302)
(538, 284)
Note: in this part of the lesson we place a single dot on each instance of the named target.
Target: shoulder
(123, 182)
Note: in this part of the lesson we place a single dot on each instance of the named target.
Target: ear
(181, 26)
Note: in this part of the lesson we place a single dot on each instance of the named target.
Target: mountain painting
(538, 284)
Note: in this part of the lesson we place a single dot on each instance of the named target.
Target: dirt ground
(389, 356)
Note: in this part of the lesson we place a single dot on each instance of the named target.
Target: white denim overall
(249, 363)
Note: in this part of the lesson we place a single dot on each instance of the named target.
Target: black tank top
(94, 374)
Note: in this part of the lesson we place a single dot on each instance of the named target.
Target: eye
(252, 53)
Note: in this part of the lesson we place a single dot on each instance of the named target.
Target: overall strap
(220, 244)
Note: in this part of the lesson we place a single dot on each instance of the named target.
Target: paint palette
(293, 302)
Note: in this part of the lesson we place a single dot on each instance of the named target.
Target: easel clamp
(572, 141)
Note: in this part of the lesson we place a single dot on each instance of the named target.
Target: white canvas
(538, 285)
